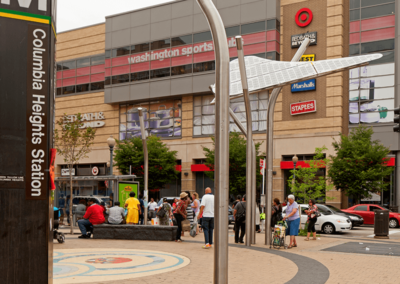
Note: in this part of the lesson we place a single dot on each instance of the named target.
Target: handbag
(161, 213)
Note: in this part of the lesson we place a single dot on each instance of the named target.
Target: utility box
(381, 225)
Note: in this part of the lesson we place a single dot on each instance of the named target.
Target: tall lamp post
(111, 144)
(295, 159)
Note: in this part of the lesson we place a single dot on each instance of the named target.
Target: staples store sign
(303, 107)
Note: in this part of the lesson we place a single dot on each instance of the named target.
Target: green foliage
(359, 165)
(307, 184)
(162, 160)
(237, 163)
(73, 143)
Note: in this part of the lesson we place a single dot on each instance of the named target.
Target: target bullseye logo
(304, 17)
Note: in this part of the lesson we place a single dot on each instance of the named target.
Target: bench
(134, 232)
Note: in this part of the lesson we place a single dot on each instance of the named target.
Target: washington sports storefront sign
(297, 40)
(308, 85)
(303, 107)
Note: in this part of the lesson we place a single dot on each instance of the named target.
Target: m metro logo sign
(303, 107)
(42, 4)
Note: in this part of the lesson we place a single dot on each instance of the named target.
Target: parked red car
(367, 212)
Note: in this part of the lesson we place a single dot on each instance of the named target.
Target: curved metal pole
(249, 145)
(146, 162)
(238, 123)
(221, 140)
(253, 188)
(270, 147)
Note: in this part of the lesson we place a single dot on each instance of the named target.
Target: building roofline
(145, 8)
(98, 24)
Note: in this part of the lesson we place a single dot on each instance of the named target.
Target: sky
(73, 14)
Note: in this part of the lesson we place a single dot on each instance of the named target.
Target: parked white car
(328, 223)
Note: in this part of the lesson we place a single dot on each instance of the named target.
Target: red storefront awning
(200, 168)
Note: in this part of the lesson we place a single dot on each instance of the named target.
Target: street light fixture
(111, 144)
(295, 159)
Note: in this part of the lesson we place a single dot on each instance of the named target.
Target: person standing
(141, 215)
(240, 220)
(133, 206)
(276, 213)
(116, 214)
(293, 220)
(238, 199)
(67, 208)
(164, 220)
(180, 215)
(196, 208)
(311, 219)
(93, 216)
(152, 209)
(258, 230)
(207, 211)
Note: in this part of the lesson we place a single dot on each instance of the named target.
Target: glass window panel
(278, 26)
(255, 126)
(209, 109)
(140, 47)
(377, 11)
(208, 129)
(197, 130)
(388, 56)
(203, 67)
(377, 70)
(377, 82)
(377, 117)
(114, 52)
(233, 127)
(254, 105)
(262, 115)
(181, 40)
(261, 55)
(122, 136)
(254, 115)
(354, 95)
(108, 54)
(384, 93)
(68, 90)
(272, 55)
(123, 50)
(83, 62)
(200, 37)
(354, 15)
(139, 76)
(197, 120)
(262, 125)
(197, 101)
(206, 100)
(164, 43)
(365, 3)
(107, 81)
(262, 104)
(197, 110)
(263, 96)
(232, 31)
(354, 4)
(159, 73)
(69, 65)
(253, 28)
(354, 49)
(353, 107)
(181, 70)
(354, 118)
(59, 91)
(241, 116)
(208, 119)
(271, 24)
(253, 97)
(59, 67)
(82, 88)
(96, 60)
(178, 104)
(119, 79)
(238, 107)
(122, 127)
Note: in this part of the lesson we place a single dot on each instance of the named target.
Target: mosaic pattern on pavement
(92, 265)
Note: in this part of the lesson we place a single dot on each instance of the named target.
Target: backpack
(162, 212)
(242, 216)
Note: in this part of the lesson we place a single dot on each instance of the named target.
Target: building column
(189, 180)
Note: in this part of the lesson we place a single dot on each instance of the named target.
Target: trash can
(381, 225)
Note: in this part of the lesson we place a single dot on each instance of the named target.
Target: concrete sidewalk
(100, 261)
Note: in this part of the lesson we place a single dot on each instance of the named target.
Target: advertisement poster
(125, 188)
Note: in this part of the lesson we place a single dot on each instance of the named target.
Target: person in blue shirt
(141, 216)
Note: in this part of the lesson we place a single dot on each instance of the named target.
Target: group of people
(189, 208)
(292, 217)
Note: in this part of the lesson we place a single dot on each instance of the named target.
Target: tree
(308, 184)
(237, 163)
(73, 142)
(162, 160)
(359, 166)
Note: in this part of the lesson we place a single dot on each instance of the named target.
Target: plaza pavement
(308, 263)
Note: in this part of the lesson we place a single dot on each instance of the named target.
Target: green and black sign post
(27, 46)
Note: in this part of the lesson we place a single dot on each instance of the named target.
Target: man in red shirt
(94, 215)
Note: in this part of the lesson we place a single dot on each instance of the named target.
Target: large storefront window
(371, 98)
(161, 118)
(204, 114)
